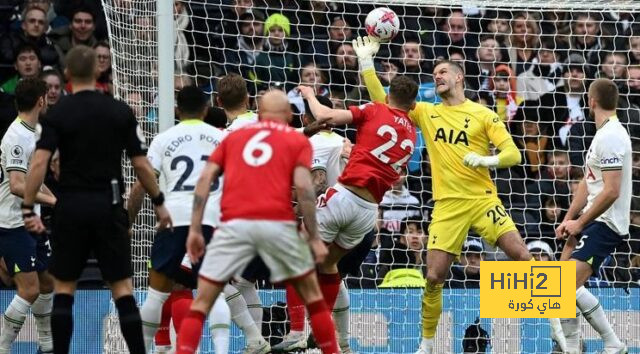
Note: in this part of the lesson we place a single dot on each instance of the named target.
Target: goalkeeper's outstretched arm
(366, 48)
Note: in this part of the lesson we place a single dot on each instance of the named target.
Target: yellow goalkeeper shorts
(452, 219)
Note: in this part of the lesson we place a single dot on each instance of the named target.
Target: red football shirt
(385, 141)
(258, 163)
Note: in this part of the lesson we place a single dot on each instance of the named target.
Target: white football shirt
(179, 155)
(327, 148)
(244, 119)
(610, 150)
(16, 148)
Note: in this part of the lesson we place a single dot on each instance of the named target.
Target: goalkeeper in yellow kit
(458, 133)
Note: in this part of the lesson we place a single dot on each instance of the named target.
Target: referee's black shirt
(91, 130)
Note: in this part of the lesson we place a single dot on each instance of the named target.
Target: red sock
(179, 311)
(295, 308)
(323, 328)
(190, 333)
(162, 335)
(330, 285)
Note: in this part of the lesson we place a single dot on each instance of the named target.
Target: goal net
(530, 61)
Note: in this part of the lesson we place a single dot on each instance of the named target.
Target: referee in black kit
(91, 130)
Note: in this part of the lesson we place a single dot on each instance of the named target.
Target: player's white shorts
(235, 243)
(343, 217)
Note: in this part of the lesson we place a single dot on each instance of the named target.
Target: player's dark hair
(28, 92)
(232, 91)
(81, 63)
(26, 48)
(451, 63)
(605, 92)
(403, 91)
(324, 100)
(191, 101)
(84, 9)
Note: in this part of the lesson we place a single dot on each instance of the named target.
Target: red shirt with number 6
(258, 163)
(384, 143)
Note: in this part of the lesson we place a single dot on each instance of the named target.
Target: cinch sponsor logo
(610, 160)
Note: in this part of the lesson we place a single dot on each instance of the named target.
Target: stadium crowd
(532, 68)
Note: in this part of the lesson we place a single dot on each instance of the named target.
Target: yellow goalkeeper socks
(431, 309)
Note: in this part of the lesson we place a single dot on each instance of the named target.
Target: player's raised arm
(323, 113)
(366, 48)
(509, 154)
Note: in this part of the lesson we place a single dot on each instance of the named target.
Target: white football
(382, 23)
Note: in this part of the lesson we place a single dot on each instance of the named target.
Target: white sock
(151, 314)
(14, 317)
(593, 313)
(250, 294)
(219, 323)
(240, 314)
(41, 309)
(341, 315)
(571, 330)
(426, 343)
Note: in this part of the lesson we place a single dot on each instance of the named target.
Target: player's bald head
(274, 105)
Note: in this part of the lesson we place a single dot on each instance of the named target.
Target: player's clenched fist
(195, 245)
(475, 160)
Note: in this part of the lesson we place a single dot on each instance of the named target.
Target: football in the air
(382, 23)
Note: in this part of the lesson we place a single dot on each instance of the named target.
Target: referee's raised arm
(91, 131)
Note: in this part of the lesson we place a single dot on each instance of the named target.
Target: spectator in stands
(633, 84)
(54, 86)
(182, 51)
(556, 112)
(525, 42)
(479, 73)
(545, 73)
(388, 72)
(55, 20)
(541, 251)
(27, 64)
(343, 75)
(552, 213)
(242, 58)
(454, 35)
(555, 180)
(499, 27)
(634, 48)
(398, 204)
(466, 273)
(505, 95)
(229, 23)
(310, 75)
(278, 63)
(80, 31)
(533, 143)
(33, 29)
(413, 63)
(586, 37)
(135, 100)
(407, 251)
(614, 67)
(104, 82)
(340, 31)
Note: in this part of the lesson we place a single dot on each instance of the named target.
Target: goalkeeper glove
(474, 160)
(366, 48)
